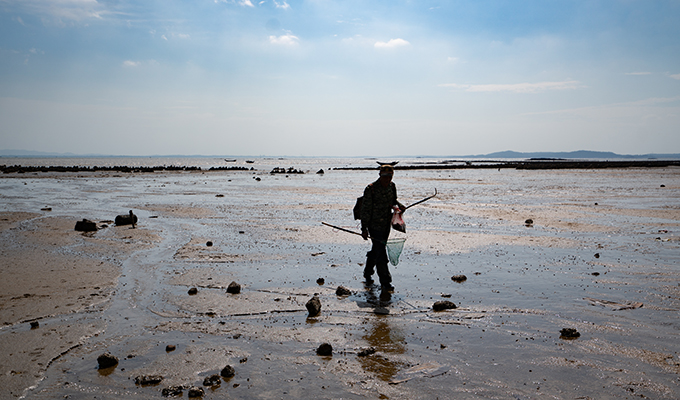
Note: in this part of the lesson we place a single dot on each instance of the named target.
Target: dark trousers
(377, 257)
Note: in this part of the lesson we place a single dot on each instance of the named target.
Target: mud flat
(580, 303)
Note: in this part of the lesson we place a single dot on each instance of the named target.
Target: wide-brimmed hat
(386, 169)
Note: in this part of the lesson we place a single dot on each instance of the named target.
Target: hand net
(394, 248)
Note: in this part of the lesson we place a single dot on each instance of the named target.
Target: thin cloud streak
(517, 87)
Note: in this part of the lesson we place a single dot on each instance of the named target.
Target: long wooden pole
(423, 200)
(342, 229)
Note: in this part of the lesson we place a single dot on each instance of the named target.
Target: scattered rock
(86, 226)
(320, 281)
(195, 391)
(107, 360)
(529, 222)
(325, 350)
(35, 325)
(366, 352)
(595, 274)
(596, 204)
(126, 219)
(172, 391)
(459, 278)
(193, 291)
(313, 306)
(442, 346)
(170, 347)
(212, 380)
(234, 288)
(144, 380)
(258, 179)
(569, 333)
(320, 172)
(241, 232)
(663, 185)
(343, 291)
(228, 371)
(46, 209)
(597, 255)
(446, 296)
(209, 243)
(443, 305)
(219, 195)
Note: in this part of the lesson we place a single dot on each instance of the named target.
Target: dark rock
(86, 226)
(459, 278)
(443, 305)
(212, 380)
(195, 391)
(219, 195)
(107, 360)
(145, 380)
(172, 391)
(193, 291)
(126, 219)
(313, 306)
(46, 209)
(342, 291)
(170, 347)
(595, 274)
(320, 172)
(663, 185)
(35, 325)
(258, 179)
(569, 333)
(446, 296)
(325, 350)
(320, 281)
(597, 255)
(228, 371)
(234, 288)
(366, 352)
(209, 243)
(529, 222)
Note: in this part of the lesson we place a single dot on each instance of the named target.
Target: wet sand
(600, 241)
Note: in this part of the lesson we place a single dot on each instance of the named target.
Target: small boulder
(569, 333)
(209, 243)
(228, 372)
(193, 291)
(145, 380)
(320, 172)
(234, 288)
(313, 306)
(320, 281)
(529, 222)
(212, 380)
(126, 219)
(325, 350)
(443, 305)
(459, 278)
(172, 391)
(196, 391)
(170, 347)
(35, 325)
(107, 360)
(342, 291)
(86, 226)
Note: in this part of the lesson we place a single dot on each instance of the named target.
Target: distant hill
(580, 154)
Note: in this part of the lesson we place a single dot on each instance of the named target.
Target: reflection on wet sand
(382, 337)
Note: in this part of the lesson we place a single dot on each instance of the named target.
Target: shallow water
(524, 284)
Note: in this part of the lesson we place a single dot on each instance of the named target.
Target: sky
(339, 77)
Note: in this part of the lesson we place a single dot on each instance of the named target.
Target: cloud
(284, 40)
(130, 64)
(517, 87)
(73, 10)
(282, 5)
(393, 43)
(246, 3)
(638, 73)
(676, 76)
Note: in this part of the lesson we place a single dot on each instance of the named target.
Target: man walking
(376, 215)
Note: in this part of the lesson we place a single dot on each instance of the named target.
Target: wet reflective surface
(608, 235)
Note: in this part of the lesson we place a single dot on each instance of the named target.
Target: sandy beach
(601, 256)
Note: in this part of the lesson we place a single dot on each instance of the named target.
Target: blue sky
(339, 78)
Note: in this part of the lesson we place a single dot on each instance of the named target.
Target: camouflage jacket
(376, 207)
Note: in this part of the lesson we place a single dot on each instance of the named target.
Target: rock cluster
(459, 278)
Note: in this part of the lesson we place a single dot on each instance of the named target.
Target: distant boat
(393, 163)
(250, 161)
(229, 160)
